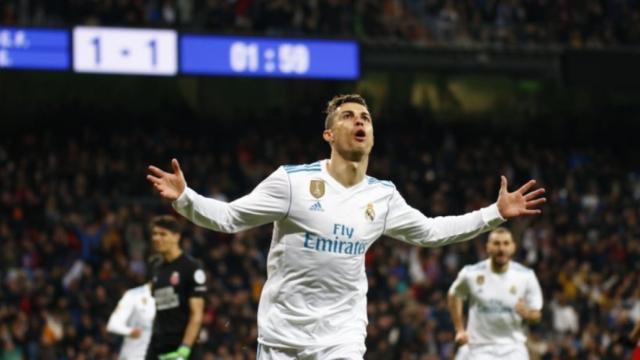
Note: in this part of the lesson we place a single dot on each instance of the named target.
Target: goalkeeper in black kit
(178, 285)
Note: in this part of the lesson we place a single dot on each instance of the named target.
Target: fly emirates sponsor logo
(341, 241)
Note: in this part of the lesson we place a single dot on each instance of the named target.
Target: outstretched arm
(410, 225)
(268, 202)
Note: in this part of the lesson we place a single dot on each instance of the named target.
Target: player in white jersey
(502, 294)
(326, 215)
(133, 319)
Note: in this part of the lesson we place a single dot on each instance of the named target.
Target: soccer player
(326, 215)
(133, 319)
(178, 287)
(502, 294)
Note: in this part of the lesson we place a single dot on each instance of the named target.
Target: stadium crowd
(75, 207)
(588, 23)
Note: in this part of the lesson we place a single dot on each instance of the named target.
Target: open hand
(520, 202)
(168, 185)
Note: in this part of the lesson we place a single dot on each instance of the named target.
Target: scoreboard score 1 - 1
(165, 52)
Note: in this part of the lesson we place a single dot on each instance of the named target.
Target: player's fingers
(532, 212)
(524, 188)
(154, 180)
(503, 184)
(176, 166)
(534, 194)
(156, 171)
(536, 202)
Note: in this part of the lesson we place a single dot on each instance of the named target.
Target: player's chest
(145, 308)
(169, 278)
(169, 288)
(323, 209)
(488, 287)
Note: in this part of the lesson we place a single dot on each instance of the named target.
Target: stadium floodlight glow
(30, 48)
(125, 51)
(269, 57)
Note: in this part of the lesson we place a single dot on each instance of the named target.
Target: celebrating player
(326, 215)
(502, 294)
(179, 288)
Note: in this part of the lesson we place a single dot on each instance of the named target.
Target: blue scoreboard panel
(30, 48)
(266, 57)
(164, 52)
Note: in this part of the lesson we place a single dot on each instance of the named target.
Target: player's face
(164, 240)
(501, 248)
(351, 133)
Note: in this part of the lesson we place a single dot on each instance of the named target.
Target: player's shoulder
(138, 290)
(300, 169)
(191, 262)
(479, 266)
(518, 268)
(372, 181)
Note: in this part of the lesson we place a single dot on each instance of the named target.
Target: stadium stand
(460, 23)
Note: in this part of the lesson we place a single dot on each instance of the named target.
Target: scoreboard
(40, 49)
(252, 56)
(164, 52)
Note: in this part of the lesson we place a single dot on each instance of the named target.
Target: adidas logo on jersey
(316, 206)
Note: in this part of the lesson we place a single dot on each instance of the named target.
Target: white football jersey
(315, 293)
(492, 299)
(136, 310)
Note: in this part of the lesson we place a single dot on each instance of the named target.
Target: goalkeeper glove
(182, 353)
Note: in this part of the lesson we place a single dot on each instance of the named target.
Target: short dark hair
(500, 231)
(167, 222)
(335, 103)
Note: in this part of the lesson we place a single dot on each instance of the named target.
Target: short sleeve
(460, 286)
(198, 282)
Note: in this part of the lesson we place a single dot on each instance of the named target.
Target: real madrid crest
(513, 290)
(316, 188)
(480, 279)
(370, 213)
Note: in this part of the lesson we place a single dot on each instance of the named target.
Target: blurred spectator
(565, 317)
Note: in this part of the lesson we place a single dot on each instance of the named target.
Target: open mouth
(360, 135)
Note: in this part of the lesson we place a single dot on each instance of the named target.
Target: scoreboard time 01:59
(162, 52)
(251, 56)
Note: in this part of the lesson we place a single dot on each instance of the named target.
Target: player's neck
(172, 254)
(347, 173)
(497, 268)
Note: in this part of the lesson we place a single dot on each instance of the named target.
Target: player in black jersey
(178, 285)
